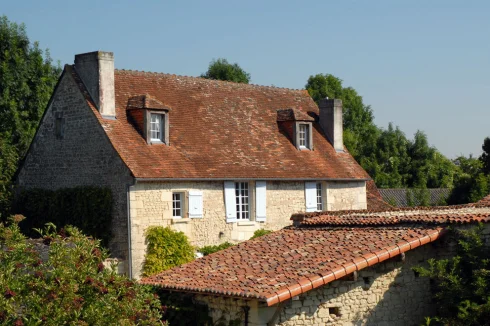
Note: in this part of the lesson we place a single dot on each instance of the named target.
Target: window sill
(245, 223)
(178, 220)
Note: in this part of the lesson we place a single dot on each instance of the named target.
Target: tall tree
(27, 79)
(221, 69)
(485, 156)
(360, 132)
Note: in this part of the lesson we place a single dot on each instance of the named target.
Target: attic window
(304, 139)
(157, 127)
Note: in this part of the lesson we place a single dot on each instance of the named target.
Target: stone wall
(151, 205)
(82, 155)
(346, 195)
(387, 294)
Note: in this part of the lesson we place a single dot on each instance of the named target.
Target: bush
(207, 250)
(166, 249)
(87, 208)
(461, 284)
(260, 233)
(70, 287)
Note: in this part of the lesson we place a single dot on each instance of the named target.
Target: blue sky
(419, 64)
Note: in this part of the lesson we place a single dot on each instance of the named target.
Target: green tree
(27, 79)
(221, 69)
(69, 285)
(461, 284)
(485, 156)
(360, 132)
(470, 184)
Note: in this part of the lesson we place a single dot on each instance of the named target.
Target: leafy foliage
(392, 160)
(221, 69)
(208, 250)
(88, 208)
(260, 233)
(70, 287)
(461, 284)
(182, 310)
(27, 79)
(471, 184)
(166, 249)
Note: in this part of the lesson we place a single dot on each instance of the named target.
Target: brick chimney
(96, 69)
(331, 122)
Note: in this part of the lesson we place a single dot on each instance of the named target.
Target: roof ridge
(143, 72)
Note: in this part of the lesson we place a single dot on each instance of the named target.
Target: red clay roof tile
(219, 130)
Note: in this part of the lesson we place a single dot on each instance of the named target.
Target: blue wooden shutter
(260, 201)
(310, 196)
(230, 201)
(195, 204)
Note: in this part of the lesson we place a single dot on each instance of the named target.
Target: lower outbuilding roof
(321, 248)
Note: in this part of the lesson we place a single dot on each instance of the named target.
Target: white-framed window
(319, 199)
(157, 131)
(304, 139)
(242, 201)
(177, 204)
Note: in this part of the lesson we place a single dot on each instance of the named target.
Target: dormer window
(150, 118)
(304, 136)
(157, 128)
(298, 126)
(304, 139)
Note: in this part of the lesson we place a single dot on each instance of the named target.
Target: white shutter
(260, 201)
(195, 204)
(230, 201)
(310, 196)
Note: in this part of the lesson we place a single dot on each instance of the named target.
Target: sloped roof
(374, 199)
(399, 196)
(219, 130)
(319, 250)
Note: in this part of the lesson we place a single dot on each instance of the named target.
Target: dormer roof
(146, 102)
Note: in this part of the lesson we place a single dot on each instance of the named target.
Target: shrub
(166, 249)
(70, 287)
(87, 208)
(461, 284)
(260, 233)
(207, 250)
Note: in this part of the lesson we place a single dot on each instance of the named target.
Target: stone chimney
(96, 69)
(331, 122)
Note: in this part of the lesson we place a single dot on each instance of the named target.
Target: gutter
(245, 179)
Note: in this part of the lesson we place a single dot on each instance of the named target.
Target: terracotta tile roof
(399, 195)
(374, 199)
(220, 130)
(484, 201)
(323, 247)
(283, 264)
(146, 102)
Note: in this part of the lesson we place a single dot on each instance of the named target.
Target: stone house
(329, 268)
(216, 160)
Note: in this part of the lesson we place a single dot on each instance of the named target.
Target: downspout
(130, 252)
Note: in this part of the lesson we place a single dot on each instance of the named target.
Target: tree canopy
(27, 79)
(391, 159)
(221, 69)
(461, 284)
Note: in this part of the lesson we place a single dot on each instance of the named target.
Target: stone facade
(385, 294)
(71, 149)
(151, 205)
(345, 195)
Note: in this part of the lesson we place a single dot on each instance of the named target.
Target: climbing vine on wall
(88, 208)
(166, 249)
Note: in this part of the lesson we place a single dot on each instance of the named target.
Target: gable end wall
(82, 157)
